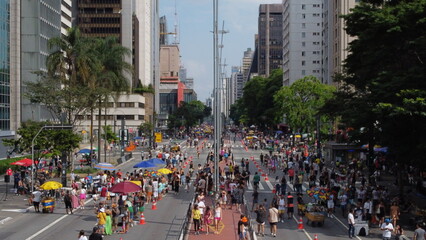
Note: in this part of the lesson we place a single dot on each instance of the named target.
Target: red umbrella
(125, 187)
(26, 162)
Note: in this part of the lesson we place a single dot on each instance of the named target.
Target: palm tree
(113, 79)
(73, 63)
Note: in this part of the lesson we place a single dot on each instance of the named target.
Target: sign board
(158, 137)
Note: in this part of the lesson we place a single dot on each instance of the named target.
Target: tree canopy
(189, 114)
(255, 106)
(301, 101)
(383, 87)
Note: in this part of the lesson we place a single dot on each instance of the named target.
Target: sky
(195, 23)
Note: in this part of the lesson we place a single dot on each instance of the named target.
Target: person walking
(196, 217)
(273, 220)
(260, 219)
(207, 218)
(290, 205)
(419, 233)
(217, 217)
(68, 202)
(243, 228)
(351, 224)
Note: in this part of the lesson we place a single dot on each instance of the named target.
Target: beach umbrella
(145, 164)
(164, 171)
(84, 151)
(26, 162)
(105, 166)
(125, 187)
(51, 185)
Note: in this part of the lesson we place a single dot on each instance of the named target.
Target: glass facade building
(4, 65)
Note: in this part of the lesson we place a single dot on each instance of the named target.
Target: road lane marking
(344, 225)
(261, 186)
(269, 185)
(47, 227)
(53, 223)
(249, 186)
(304, 231)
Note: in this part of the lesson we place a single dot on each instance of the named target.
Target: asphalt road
(166, 221)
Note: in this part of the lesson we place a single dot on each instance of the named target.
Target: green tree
(255, 106)
(146, 128)
(113, 77)
(188, 114)
(301, 102)
(383, 85)
(108, 134)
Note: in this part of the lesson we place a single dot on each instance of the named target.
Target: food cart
(48, 202)
(315, 214)
(315, 211)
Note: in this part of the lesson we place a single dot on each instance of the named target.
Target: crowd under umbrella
(125, 187)
(105, 166)
(26, 162)
(145, 164)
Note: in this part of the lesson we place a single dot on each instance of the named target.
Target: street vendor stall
(48, 202)
(315, 212)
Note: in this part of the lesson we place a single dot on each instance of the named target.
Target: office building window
(303, 34)
(303, 63)
(303, 44)
(303, 72)
(303, 53)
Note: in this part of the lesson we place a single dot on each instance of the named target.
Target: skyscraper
(40, 21)
(335, 39)
(270, 41)
(302, 33)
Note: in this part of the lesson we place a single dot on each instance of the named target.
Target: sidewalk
(227, 228)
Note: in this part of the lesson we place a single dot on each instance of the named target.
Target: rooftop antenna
(176, 35)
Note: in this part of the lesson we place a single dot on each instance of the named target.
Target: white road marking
(304, 231)
(5, 220)
(269, 185)
(261, 186)
(249, 186)
(344, 225)
(15, 210)
(53, 223)
(47, 227)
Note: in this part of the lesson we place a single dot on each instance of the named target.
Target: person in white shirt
(368, 209)
(351, 223)
(387, 229)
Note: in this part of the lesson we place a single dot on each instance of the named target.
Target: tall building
(171, 90)
(238, 81)
(302, 33)
(164, 36)
(247, 59)
(10, 81)
(111, 18)
(335, 39)
(270, 41)
(66, 16)
(40, 21)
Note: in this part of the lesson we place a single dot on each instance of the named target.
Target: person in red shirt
(103, 194)
(291, 175)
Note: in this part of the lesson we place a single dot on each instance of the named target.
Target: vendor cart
(315, 218)
(48, 204)
(315, 214)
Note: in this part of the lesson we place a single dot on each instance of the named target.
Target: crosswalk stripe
(249, 186)
(269, 185)
(261, 186)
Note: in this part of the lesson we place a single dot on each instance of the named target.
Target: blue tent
(156, 161)
(145, 164)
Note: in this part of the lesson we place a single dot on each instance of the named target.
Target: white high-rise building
(302, 39)
(66, 16)
(335, 39)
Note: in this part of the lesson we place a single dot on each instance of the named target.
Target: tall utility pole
(216, 104)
